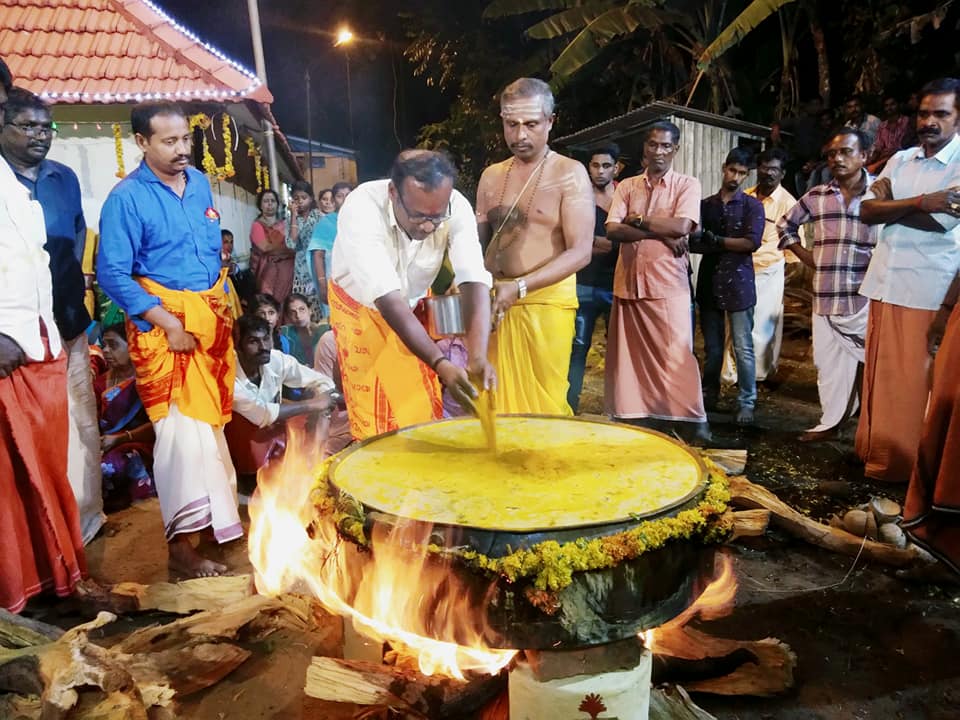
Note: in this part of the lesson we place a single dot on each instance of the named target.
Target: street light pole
(346, 55)
(306, 77)
(254, 12)
(344, 38)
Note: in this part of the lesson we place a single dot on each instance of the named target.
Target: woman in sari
(271, 260)
(126, 434)
(304, 215)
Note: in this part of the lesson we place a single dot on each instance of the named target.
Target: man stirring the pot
(392, 238)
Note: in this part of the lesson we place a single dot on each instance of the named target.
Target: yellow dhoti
(531, 351)
(386, 387)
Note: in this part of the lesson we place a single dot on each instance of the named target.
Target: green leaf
(510, 8)
(755, 13)
(570, 20)
(612, 24)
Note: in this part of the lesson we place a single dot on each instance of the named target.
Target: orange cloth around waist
(201, 382)
(385, 385)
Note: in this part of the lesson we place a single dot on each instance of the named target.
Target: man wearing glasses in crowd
(392, 236)
(25, 140)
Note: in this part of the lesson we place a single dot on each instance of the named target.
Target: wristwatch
(521, 288)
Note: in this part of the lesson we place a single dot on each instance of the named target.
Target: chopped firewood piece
(750, 495)
(18, 632)
(671, 702)
(203, 627)
(182, 598)
(732, 462)
(762, 667)
(365, 683)
(749, 523)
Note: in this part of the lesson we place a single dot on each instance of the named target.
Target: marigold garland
(550, 565)
(210, 167)
(254, 152)
(118, 144)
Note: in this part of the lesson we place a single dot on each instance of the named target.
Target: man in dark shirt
(732, 227)
(24, 142)
(595, 281)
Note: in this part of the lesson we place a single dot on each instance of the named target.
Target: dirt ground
(869, 644)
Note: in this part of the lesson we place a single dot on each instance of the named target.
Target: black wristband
(436, 363)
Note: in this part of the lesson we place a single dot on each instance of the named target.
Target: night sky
(294, 38)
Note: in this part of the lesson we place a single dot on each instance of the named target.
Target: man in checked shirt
(842, 246)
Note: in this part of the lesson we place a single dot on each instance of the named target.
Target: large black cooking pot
(599, 606)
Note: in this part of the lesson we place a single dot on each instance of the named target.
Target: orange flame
(714, 602)
(394, 593)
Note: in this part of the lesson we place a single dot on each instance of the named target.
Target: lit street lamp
(344, 38)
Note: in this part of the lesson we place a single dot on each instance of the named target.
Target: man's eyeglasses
(36, 129)
(417, 219)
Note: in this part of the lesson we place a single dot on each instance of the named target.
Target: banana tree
(594, 24)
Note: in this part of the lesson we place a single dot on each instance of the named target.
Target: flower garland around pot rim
(549, 565)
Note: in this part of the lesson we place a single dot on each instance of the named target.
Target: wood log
(762, 667)
(204, 627)
(17, 631)
(746, 494)
(20, 707)
(365, 683)
(733, 462)
(671, 702)
(182, 598)
(749, 523)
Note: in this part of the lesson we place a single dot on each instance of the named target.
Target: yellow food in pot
(547, 473)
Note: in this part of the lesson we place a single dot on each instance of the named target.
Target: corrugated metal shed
(705, 139)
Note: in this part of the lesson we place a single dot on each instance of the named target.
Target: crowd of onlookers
(149, 390)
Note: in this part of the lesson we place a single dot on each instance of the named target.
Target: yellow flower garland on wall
(210, 167)
(254, 152)
(118, 143)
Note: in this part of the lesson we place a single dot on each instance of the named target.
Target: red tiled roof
(109, 51)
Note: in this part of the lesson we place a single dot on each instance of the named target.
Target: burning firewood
(759, 667)
(401, 689)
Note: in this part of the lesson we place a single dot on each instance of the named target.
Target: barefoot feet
(185, 560)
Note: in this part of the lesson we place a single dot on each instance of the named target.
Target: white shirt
(26, 290)
(914, 268)
(373, 255)
(260, 404)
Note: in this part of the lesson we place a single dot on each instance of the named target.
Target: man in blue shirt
(24, 142)
(159, 260)
(732, 228)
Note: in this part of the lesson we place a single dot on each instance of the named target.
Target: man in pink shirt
(651, 371)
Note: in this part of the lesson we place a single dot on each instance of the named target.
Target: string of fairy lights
(139, 96)
(229, 130)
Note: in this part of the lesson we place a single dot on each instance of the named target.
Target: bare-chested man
(535, 213)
